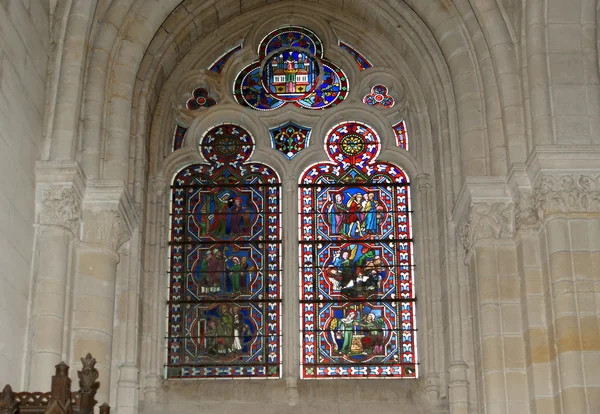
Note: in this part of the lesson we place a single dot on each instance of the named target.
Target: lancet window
(224, 306)
(356, 269)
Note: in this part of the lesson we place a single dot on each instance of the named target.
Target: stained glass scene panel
(356, 267)
(224, 306)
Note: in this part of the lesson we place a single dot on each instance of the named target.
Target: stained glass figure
(379, 97)
(179, 137)
(217, 67)
(401, 135)
(200, 99)
(361, 61)
(290, 139)
(224, 281)
(291, 70)
(356, 269)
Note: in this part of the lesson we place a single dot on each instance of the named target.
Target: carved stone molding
(289, 183)
(485, 220)
(526, 214)
(105, 227)
(61, 206)
(159, 186)
(109, 215)
(423, 182)
(573, 193)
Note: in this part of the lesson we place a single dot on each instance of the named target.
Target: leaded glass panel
(291, 70)
(356, 268)
(224, 305)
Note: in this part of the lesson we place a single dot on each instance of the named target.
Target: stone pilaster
(108, 222)
(486, 230)
(568, 207)
(541, 372)
(59, 189)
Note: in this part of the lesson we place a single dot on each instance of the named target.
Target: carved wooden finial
(62, 369)
(8, 405)
(88, 375)
(6, 393)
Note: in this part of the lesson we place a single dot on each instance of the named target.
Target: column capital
(290, 183)
(60, 206)
(109, 217)
(566, 193)
(59, 189)
(423, 182)
(159, 186)
(484, 209)
(484, 221)
(565, 179)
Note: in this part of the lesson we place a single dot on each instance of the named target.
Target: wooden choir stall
(60, 399)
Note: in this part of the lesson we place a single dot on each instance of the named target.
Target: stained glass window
(291, 70)
(356, 269)
(379, 97)
(200, 99)
(290, 139)
(401, 135)
(361, 61)
(224, 282)
(179, 137)
(217, 67)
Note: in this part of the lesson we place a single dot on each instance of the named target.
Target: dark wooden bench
(60, 399)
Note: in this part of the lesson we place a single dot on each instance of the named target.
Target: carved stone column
(291, 311)
(486, 231)
(568, 207)
(154, 289)
(59, 204)
(108, 221)
(430, 289)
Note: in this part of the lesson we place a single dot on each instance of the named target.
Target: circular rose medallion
(290, 74)
(352, 145)
(227, 143)
(226, 146)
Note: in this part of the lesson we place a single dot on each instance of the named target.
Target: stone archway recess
(491, 97)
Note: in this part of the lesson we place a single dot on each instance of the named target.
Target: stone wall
(24, 43)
